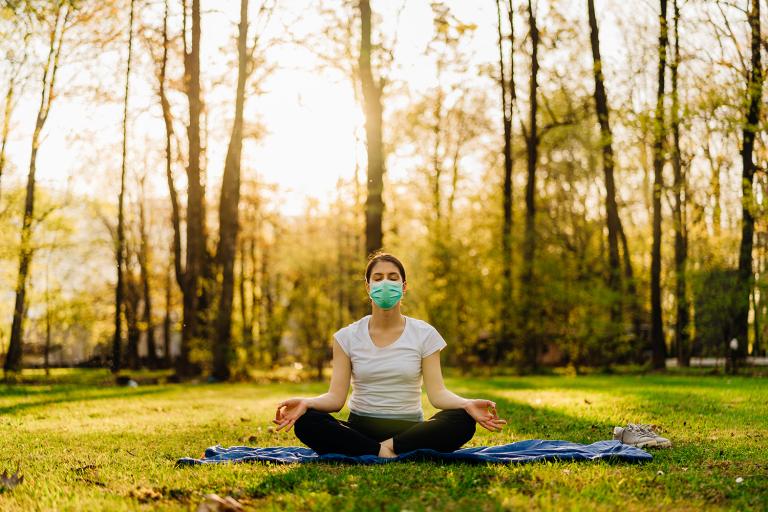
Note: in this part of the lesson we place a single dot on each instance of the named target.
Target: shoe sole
(647, 444)
(653, 444)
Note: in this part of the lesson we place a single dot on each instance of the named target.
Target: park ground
(83, 443)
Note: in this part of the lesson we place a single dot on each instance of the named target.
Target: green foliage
(715, 301)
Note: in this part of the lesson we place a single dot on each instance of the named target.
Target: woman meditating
(386, 354)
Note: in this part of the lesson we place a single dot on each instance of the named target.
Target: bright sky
(311, 116)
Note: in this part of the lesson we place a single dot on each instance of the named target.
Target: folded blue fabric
(523, 451)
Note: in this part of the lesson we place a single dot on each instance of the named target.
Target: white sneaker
(642, 436)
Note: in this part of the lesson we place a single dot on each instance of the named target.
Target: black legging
(446, 431)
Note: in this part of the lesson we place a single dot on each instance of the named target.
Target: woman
(386, 354)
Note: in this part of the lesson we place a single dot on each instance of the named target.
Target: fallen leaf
(215, 503)
(145, 494)
(82, 469)
(89, 474)
(8, 481)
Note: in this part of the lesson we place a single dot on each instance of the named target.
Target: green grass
(83, 444)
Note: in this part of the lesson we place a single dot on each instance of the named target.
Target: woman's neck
(387, 318)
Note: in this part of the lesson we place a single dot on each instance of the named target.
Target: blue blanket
(522, 451)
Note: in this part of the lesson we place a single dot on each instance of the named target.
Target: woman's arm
(438, 395)
(332, 401)
(336, 397)
(483, 411)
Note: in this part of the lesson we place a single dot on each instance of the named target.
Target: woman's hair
(383, 256)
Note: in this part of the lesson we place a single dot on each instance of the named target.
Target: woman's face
(384, 270)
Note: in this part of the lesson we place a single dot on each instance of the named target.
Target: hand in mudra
(288, 412)
(484, 412)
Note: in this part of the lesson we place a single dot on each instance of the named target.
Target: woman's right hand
(289, 411)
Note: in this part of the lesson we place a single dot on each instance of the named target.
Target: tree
(613, 221)
(120, 242)
(58, 21)
(145, 260)
(168, 358)
(682, 318)
(507, 107)
(229, 204)
(192, 274)
(193, 288)
(132, 283)
(178, 272)
(658, 345)
(750, 127)
(530, 346)
(372, 91)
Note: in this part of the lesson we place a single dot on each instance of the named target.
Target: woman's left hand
(484, 412)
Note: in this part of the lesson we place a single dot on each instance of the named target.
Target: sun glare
(311, 139)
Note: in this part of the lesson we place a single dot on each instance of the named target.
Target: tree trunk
(228, 213)
(273, 345)
(246, 322)
(132, 299)
(120, 242)
(168, 362)
(13, 359)
(682, 338)
(606, 136)
(257, 294)
(632, 297)
(754, 91)
(530, 343)
(504, 344)
(374, 204)
(658, 345)
(196, 256)
(168, 121)
(756, 305)
(144, 263)
(47, 350)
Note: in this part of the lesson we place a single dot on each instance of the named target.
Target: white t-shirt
(386, 381)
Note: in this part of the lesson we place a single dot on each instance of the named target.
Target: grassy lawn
(85, 445)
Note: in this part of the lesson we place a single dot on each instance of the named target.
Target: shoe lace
(642, 428)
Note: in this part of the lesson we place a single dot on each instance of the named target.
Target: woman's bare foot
(385, 451)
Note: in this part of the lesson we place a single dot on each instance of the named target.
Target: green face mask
(386, 293)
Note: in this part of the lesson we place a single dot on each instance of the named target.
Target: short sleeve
(342, 337)
(432, 343)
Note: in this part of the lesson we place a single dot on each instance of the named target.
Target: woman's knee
(468, 425)
(306, 422)
(463, 424)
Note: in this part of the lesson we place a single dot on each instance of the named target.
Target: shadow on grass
(71, 395)
(527, 422)
(622, 382)
(17, 391)
(392, 486)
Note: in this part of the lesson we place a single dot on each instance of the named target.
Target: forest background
(198, 185)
